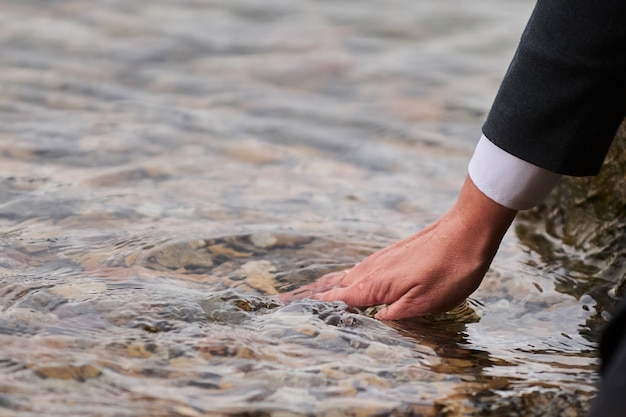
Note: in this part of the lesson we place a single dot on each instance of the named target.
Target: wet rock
(41, 300)
(182, 256)
(535, 403)
(229, 306)
(28, 316)
(265, 263)
(260, 276)
(587, 218)
(305, 330)
(212, 350)
(138, 350)
(80, 291)
(201, 256)
(76, 372)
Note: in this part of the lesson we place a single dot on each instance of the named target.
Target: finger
(404, 308)
(297, 294)
(351, 295)
(331, 280)
(323, 284)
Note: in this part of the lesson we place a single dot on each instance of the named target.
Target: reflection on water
(168, 167)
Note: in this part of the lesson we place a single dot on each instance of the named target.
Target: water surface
(168, 167)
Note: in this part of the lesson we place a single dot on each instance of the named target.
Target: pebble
(78, 373)
(80, 291)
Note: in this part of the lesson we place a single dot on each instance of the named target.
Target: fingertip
(297, 294)
(385, 315)
(382, 314)
(397, 311)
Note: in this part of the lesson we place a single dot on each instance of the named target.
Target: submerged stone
(231, 307)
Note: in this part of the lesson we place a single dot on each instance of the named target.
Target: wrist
(481, 219)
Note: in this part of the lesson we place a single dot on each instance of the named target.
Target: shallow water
(168, 167)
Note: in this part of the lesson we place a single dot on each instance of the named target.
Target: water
(168, 167)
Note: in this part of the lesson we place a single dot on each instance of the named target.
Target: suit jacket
(564, 94)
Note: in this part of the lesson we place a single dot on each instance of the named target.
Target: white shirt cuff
(508, 180)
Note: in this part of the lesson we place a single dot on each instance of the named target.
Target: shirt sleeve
(507, 179)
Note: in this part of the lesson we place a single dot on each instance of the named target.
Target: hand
(430, 272)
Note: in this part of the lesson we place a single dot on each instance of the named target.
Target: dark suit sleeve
(564, 94)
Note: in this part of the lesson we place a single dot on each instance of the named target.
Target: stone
(263, 240)
(260, 276)
(587, 218)
(80, 291)
(78, 373)
(138, 350)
